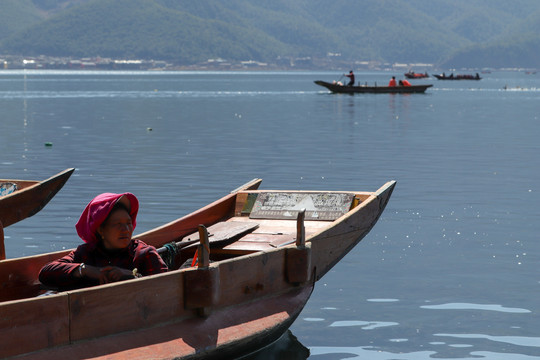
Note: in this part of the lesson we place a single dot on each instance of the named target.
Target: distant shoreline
(13, 62)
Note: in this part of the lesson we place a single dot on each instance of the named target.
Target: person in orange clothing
(392, 81)
(404, 83)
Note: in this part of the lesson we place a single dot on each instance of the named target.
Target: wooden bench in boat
(276, 215)
(267, 220)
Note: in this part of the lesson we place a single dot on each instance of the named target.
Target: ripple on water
(468, 306)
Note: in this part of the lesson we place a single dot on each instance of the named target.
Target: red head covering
(97, 211)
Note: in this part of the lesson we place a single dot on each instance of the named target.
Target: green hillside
(517, 47)
(17, 15)
(483, 33)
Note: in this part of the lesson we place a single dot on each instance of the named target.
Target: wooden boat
(344, 89)
(413, 75)
(259, 254)
(20, 199)
(458, 77)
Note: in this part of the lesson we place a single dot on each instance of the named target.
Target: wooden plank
(145, 302)
(244, 247)
(33, 324)
(219, 235)
(286, 205)
(247, 278)
(225, 334)
(223, 231)
(19, 277)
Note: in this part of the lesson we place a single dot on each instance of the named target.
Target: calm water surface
(449, 272)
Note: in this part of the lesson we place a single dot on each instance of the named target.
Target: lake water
(451, 270)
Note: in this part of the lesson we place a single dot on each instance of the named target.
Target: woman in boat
(108, 254)
(392, 81)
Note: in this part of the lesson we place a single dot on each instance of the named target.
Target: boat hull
(246, 298)
(458, 77)
(30, 198)
(25, 199)
(416, 76)
(344, 89)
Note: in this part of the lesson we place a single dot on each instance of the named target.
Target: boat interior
(242, 223)
(267, 220)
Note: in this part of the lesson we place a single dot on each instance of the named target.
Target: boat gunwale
(33, 185)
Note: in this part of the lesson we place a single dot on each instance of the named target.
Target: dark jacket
(143, 257)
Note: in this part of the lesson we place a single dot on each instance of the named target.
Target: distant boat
(458, 77)
(413, 75)
(345, 89)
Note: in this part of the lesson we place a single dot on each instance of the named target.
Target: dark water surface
(451, 270)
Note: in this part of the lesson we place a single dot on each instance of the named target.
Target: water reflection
(365, 325)
(514, 340)
(371, 353)
(287, 347)
(467, 306)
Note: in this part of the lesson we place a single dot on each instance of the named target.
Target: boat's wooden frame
(238, 299)
(28, 199)
(345, 89)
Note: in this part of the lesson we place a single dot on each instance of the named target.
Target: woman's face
(116, 231)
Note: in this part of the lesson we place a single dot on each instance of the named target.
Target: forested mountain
(480, 33)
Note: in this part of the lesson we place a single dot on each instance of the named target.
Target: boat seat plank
(219, 235)
(286, 205)
(270, 234)
(224, 231)
(268, 238)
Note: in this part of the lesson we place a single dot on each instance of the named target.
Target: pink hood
(97, 211)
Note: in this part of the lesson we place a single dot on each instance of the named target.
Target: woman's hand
(106, 274)
(113, 273)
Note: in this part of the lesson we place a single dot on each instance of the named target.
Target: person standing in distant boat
(392, 81)
(350, 75)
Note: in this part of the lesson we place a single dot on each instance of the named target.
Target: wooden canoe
(29, 196)
(24, 198)
(345, 89)
(243, 294)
